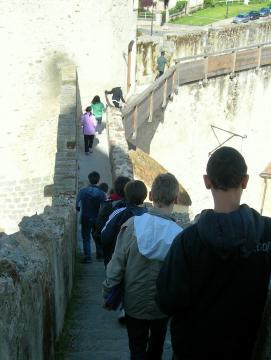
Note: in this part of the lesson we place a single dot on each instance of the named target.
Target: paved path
(92, 333)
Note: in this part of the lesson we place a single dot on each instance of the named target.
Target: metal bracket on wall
(213, 127)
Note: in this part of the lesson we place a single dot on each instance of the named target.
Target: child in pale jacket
(141, 247)
(88, 124)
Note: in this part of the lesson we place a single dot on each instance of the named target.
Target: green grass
(212, 14)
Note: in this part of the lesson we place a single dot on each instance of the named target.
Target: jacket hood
(155, 234)
(237, 232)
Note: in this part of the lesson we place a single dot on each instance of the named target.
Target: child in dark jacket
(115, 201)
(214, 281)
(135, 194)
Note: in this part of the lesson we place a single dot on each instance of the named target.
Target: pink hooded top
(88, 123)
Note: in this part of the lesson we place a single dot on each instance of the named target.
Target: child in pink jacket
(88, 124)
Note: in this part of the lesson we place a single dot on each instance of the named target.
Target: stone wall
(118, 147)
(37, 263)
(194, 43)
(37, 37)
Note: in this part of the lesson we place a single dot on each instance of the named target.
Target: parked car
(264, 12)
(253, 15)
(241, 18)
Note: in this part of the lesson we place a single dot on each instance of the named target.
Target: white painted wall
(183, 140)
(36, 36)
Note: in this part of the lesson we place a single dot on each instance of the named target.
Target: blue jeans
(86, 227)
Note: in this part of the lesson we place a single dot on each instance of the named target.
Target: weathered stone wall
(194, 43)
(36, 38)
(181, 137)
(37, 263)
(118, 147)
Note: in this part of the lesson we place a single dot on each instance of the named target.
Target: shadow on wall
(137, 163)
(146, 132)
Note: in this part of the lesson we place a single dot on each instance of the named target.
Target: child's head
(104, 187)
(119, 185)
(135, 192)
(96, 99)
(88, 109)
(165, 190)
(94, 177)
(226, 169)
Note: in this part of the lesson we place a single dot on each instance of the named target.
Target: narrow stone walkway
(92, 333)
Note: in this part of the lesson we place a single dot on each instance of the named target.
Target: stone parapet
(118, 147)
(37, 263)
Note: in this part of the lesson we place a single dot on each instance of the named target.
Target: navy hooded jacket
(214, 283)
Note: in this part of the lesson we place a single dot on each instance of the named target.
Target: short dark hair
(96, 99)
(104, 187)
(226, 168)
(164, 189)
(88, 109)
(162, 53)
(135, 192)
(94, 177)
(119, 185)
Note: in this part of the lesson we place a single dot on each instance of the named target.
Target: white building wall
(184, 138)
(36, 37)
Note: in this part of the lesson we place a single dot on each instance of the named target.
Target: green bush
(180, 5)
(208, 3)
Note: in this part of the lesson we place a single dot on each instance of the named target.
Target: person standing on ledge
(88, 124)
(161, 63)
(214, 281)
(117, 97)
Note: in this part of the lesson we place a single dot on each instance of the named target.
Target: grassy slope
(210, 15)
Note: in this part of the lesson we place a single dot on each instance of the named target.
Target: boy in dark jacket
(135, 194)
(88, 201)
(214, 280)
(115, 201)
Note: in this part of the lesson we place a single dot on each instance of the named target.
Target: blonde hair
(164, 189)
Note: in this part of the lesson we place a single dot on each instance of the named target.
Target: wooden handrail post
(233, 63)
(175, 80)
(134, 122)
(259, 57)
(206, 59)
(165, 95)
(151, 108)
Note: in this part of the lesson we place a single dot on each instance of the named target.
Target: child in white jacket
(142, 245)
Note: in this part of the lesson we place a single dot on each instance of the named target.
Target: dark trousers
(146, 338)
(88, 139)
(86, 227)
(116, 104)
(99, 248)
(160, 74)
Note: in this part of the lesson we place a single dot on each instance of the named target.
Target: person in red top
(114, 201)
